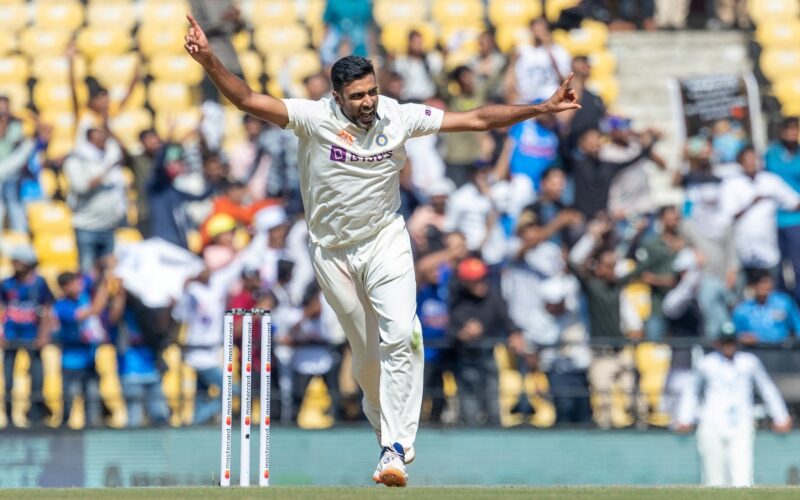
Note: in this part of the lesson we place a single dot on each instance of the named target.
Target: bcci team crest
(381, 140)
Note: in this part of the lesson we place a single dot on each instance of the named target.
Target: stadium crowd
(539, 249)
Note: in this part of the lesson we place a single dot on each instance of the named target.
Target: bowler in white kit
(350, 154)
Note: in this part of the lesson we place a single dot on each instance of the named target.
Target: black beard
(790, 145)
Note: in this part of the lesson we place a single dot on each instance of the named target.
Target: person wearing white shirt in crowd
(350, 155)
(751, 201)
(725, 419)
(538, 67)
(417, 68)
(272, 221)
(471, 210)
(202, 308)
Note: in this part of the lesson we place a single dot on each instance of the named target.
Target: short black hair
(550, 170)
(4, 98)
(747, 148)
(349, 69)
(144, 133)
(758, 275)
(790, 121)
(666, 208)
(65, 279)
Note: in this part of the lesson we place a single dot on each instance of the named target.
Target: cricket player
(351, 150)
(725, 432)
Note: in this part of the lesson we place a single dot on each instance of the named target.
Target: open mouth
(366, 117)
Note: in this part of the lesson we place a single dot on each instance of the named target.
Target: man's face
(541, 32)
(99, 103)
(151, 143)
(253, 127)
(606, 263)
(478, 288)
(439, 203)
(214, 170)
(98, 138)
(485, 44)
(553, 185)
(415, 44)
(762, 289)
(749, 163)
(277, 236)
(728, 349)
(73, 289)
(590, 143)
(581, 67)
(316, 87)
(670, 220)
(359, 101)
(790, 133)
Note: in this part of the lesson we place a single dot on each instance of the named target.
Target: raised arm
(494, 116)
(232, 87)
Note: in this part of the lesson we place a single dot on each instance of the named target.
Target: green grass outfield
(444, 493)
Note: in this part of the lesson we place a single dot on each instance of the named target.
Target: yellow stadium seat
(457, 12)
(59, 147)
(281, 40)
(120, 15)
(165, 13)
(177, 68)
(273, 12)
(46, 216)
(111, 69)
(127, 235)
(298, 66)
(56, 69)
(461, 38)
(49, 182)
(252, 65)
(58, 14)
(241, 41)
(778, 10)
(779, 34)
(94, 41)
(553, 8)
(126, 125)
(787, 90)
(161, 39)
(13, 16)
(169, 96)
(8, 42)
(513, 12)
(591, 37)
(36, 42)
(13, 69)
(394, 37)
(509, 36)
(234, 128)
(137, 98)
(606, 88)
(388, 12)
(63, 123)
(57, 96)
(652, 362)
(57, 249)
(777, 63)
(177, 125)
(603, 63)
(314, 11)
(194, 241)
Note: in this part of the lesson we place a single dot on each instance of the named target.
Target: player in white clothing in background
(350, 154)
(725, 431)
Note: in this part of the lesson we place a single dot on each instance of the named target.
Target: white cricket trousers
(371, 287)
(727, 458)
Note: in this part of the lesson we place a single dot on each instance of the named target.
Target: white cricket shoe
(391, 469)
(408, 455)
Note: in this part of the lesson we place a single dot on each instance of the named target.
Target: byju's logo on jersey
(342, 155)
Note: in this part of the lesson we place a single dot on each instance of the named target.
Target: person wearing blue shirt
(79, 334)
(783, 159)
(769, 317)
(433, 315)
(26, 302)
(136, 363)
(530, 149)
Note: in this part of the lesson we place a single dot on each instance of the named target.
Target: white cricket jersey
(349, 177)
(727, 388)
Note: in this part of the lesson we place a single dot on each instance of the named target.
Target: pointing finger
(567, 81)
(192, 21)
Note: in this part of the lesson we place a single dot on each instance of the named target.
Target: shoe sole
(393, 478)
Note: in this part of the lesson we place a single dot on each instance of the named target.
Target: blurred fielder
(350, 154)
(725, 432)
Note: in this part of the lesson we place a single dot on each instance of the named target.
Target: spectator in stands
(478, 321)
(783, 160)
(462, 149)
(595, 265)
(560, 225)
(97, 196)
(575, 122)
(470, 210)
(538, 68)
(708, 230)
(531, 148)
(16, 153)
(284, 307)
(770, 317)
(249, 161)
(81, 331)
(751, 202)
(427, 225)
(283, 180)
(219, 250)
(273, 222)
(137, 362)
(488, 65)
(202, 307)
(168, 219)
(142, 165)
(655, 257)
(222, 20)
(672, 14)
(28, 322)
(348, 22)
(419, 69)
(629, 195)
(434, 275)
(593, 175)
(729, 14)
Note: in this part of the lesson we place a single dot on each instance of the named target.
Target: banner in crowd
(725, 108)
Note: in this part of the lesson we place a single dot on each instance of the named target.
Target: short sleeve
(421, 120)
(304, 115)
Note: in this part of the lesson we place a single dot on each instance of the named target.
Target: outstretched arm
(232, 87)
(495, 116)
